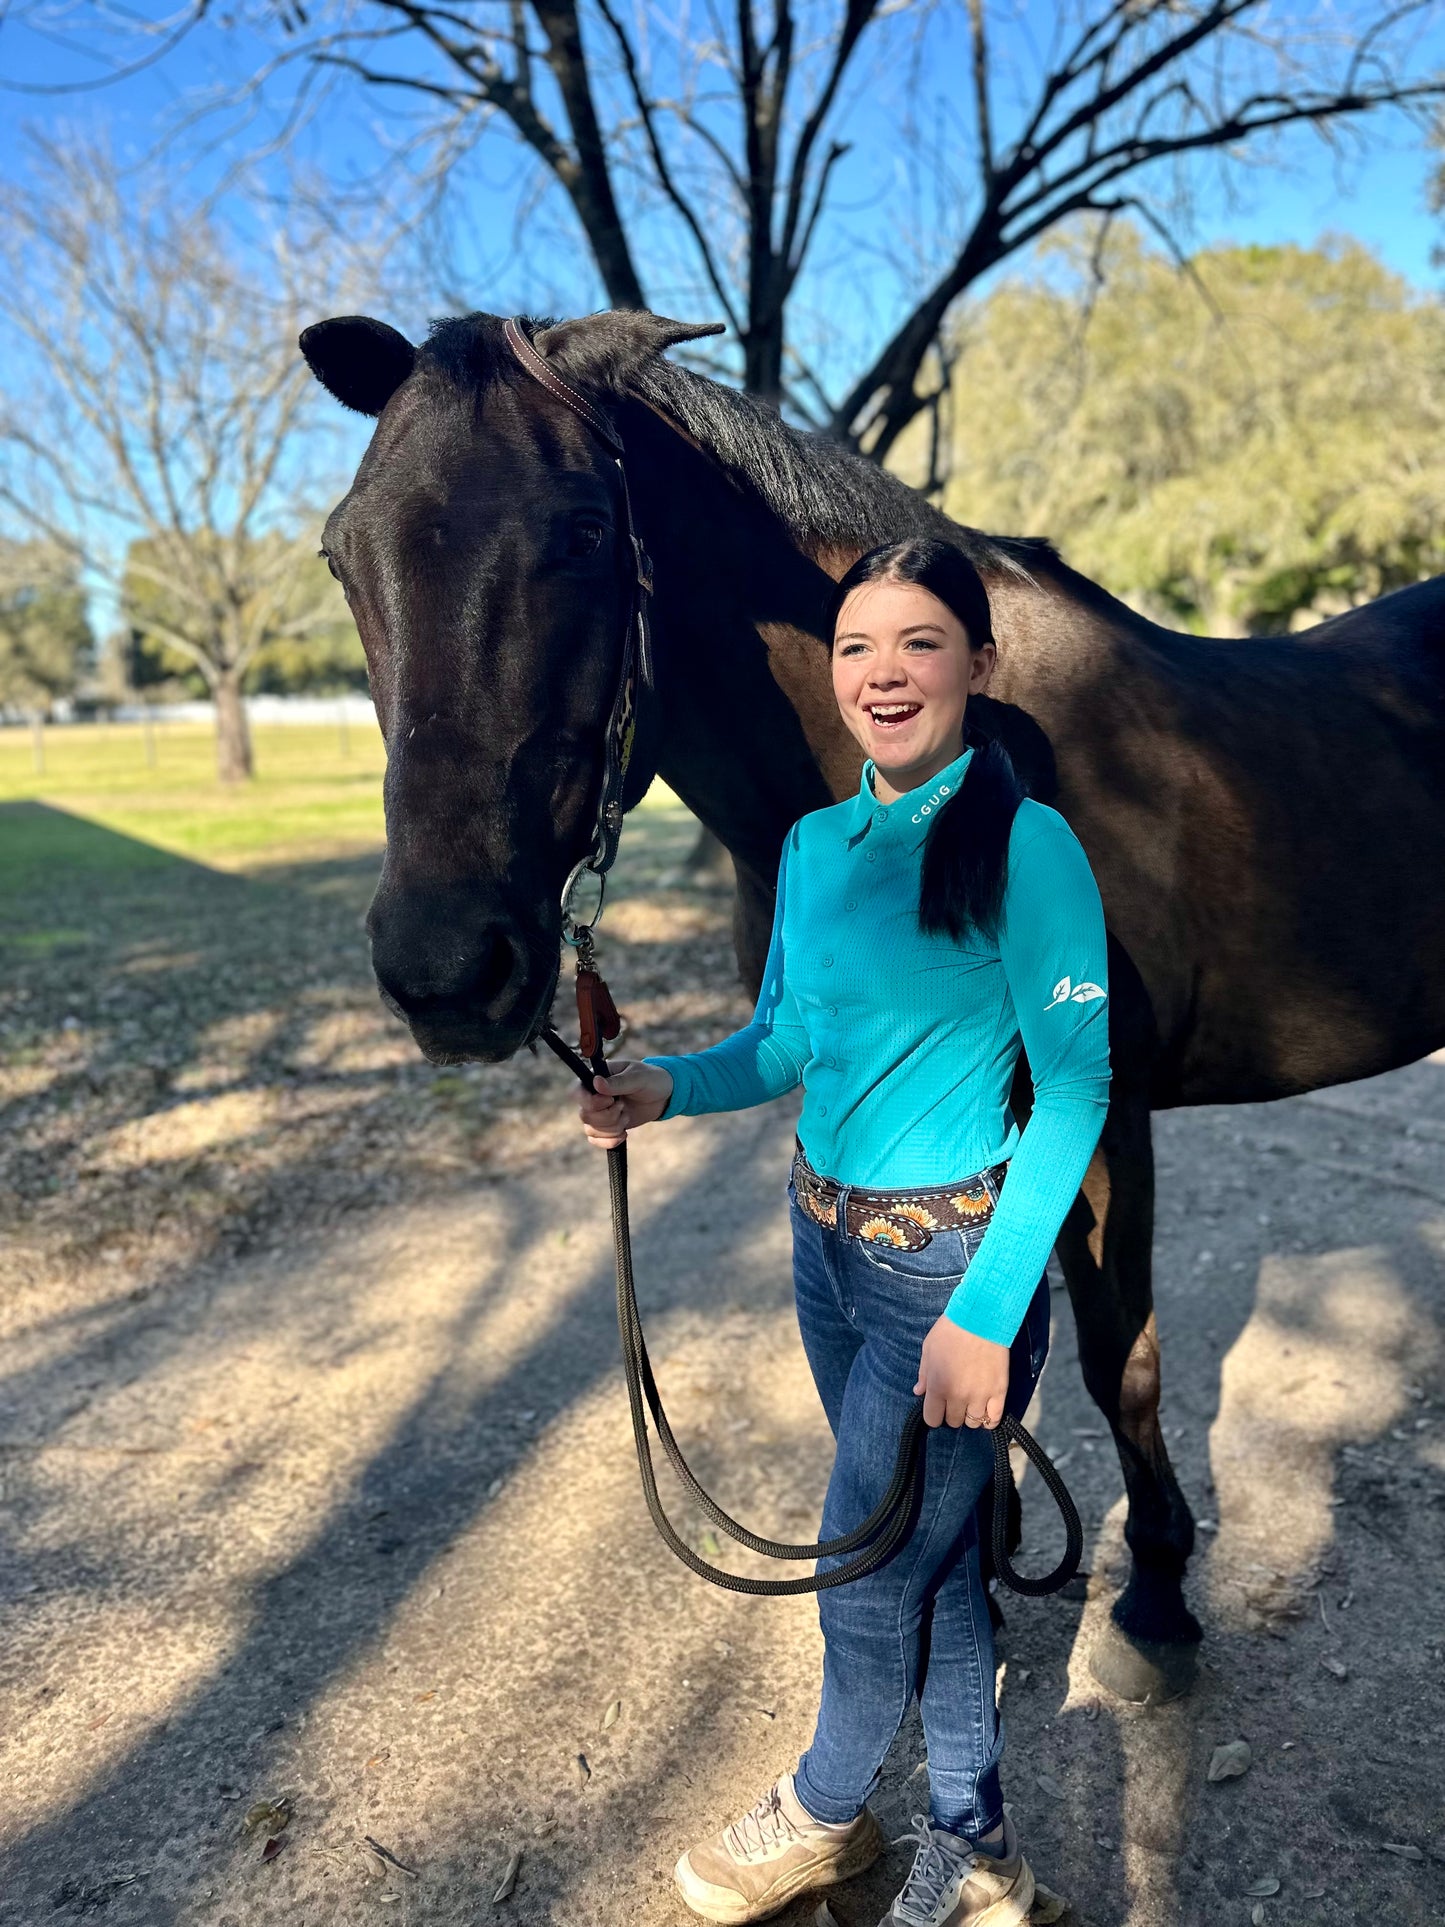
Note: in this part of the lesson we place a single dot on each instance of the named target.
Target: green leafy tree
(1242, 445)
(46, 645)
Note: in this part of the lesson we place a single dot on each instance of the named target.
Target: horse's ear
(602, 350)
(360, 361)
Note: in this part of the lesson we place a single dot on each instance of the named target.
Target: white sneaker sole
(734, 1909)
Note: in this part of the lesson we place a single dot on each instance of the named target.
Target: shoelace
(935, 1867)
(761, 1827)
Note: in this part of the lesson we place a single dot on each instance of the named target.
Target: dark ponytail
(965, 857)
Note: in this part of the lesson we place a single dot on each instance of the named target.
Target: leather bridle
(636, 687)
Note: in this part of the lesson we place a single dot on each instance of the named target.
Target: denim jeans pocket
(943, 1260)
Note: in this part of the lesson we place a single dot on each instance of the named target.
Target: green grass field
(316, 795)
(315, 792)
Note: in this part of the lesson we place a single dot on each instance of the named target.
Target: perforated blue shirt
(905, 1043)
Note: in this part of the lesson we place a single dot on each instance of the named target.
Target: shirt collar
(912, 813)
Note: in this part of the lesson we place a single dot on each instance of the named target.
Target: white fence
(306, 711)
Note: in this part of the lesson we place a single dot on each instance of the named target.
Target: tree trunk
(233, 732)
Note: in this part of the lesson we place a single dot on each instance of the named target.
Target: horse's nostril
(438, 964)
(500, 962)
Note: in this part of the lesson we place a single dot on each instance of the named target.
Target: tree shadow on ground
(194, 951)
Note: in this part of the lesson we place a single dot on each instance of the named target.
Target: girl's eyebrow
(862, 635)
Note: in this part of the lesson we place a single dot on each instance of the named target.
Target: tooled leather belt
(906, 1220)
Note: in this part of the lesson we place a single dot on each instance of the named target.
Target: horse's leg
(1149, 1651)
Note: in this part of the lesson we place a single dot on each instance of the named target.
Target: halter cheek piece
(874, 1542)
(635, 685)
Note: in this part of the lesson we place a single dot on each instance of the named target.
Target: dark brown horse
(1266, 818)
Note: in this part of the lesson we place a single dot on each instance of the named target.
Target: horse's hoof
(1143, 1670)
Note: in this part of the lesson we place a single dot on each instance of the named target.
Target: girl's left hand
(963, 1378)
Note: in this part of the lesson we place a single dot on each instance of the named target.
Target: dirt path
(336, 1503)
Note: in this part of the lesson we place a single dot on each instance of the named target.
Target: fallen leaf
(1103, 1840)
(609, 1718)
(581, 1771)
(1049, 1786)
(1227, 1762)
(1335, 1666)
(273, 1815)
(422, 1698)
(386, 1854)
(377, 1758)
(509, 1878)
(1047, 1908)
(374, 1863)
(100, 1722)
(272, 1847)
(1264, 1887)
(1314, 1893)
(708, 1545)
(1400, 1850)
(544, 1829)
(1256, 1914)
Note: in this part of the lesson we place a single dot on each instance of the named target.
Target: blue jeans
(920, 1624)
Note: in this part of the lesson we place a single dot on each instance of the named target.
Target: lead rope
(891, 1520)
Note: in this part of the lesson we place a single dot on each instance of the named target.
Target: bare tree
(730, 131)
(700, 143)
(149, 427)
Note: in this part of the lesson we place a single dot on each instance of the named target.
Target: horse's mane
(825, 495)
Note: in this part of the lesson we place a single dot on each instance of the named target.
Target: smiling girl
(927, 930)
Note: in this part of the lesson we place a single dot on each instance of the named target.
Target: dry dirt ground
(316, 1484)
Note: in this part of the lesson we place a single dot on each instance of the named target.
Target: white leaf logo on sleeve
(1068, 992)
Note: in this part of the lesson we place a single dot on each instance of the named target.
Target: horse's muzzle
(465, 981)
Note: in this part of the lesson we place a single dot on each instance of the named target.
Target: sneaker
(956, 1884)
(774, 1853)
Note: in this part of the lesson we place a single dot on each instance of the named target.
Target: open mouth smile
(891, 715)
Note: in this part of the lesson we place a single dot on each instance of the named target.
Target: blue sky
(860, 286)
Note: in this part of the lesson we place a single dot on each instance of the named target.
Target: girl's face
(903, 672)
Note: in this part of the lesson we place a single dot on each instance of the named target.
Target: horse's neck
(752, 738)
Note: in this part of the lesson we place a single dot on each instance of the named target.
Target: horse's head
(483, 551)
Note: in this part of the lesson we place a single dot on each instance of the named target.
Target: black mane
(824, 494)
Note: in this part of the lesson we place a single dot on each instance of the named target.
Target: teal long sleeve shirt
(905, 1043)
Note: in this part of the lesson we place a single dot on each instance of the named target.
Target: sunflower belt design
(906, 1220)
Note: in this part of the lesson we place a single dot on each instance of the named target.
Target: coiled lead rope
(891, 1521)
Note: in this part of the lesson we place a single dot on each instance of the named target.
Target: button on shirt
(905, 1043)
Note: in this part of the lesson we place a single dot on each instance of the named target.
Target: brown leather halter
(635, 687)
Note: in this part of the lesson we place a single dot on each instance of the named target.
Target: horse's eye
(327, 558)
(586, 538)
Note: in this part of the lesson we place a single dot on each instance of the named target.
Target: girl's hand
(963, 1379)
(629, 1095)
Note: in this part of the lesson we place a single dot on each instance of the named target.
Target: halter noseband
(635, 682)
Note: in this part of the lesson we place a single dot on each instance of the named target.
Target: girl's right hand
(629, 1095)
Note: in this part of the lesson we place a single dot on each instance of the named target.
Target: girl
(926, 930)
